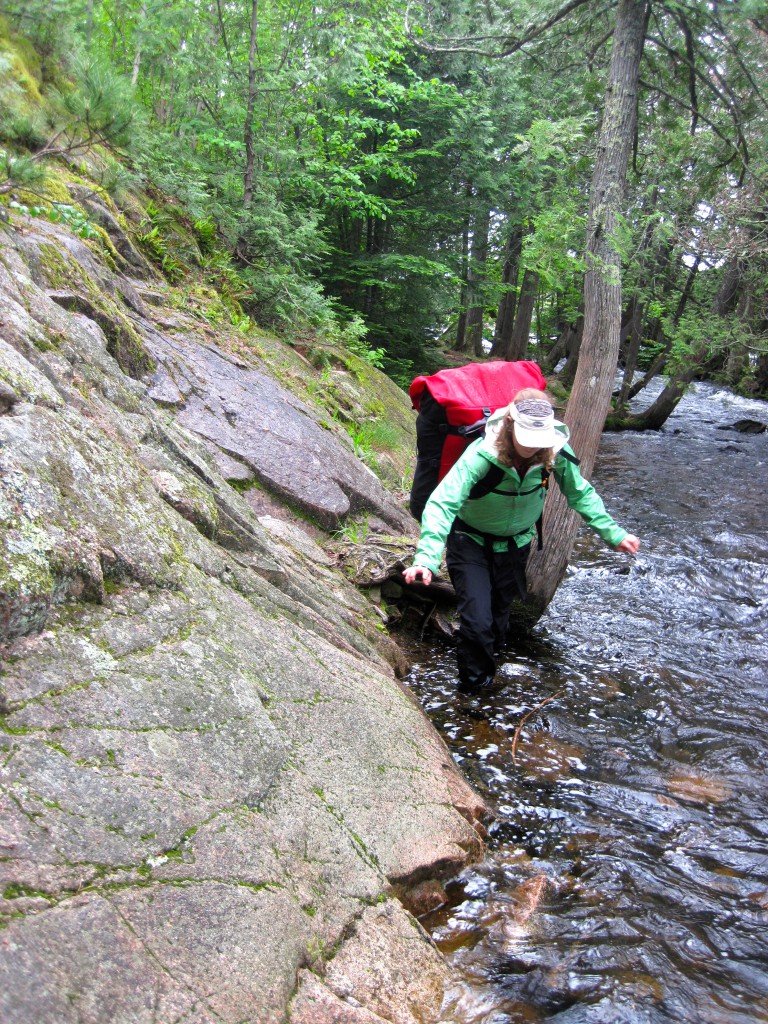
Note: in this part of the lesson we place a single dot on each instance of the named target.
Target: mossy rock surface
(210, 777)
(20, 77)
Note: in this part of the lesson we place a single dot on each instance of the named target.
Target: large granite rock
(211, 782)
(243, 415)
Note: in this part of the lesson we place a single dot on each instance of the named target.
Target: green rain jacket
(509, 512)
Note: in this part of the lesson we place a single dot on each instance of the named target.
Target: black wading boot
(481, 685)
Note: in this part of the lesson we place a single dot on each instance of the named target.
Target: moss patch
(22, 67)
(59, 272)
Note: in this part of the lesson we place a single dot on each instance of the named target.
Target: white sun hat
(534, 423)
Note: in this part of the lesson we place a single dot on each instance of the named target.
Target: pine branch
(508, 44)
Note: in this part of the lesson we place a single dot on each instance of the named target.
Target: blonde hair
(507, 453)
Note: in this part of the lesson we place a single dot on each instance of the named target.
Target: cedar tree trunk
(250, 156)
(593, 383)
(476, 284)
(505, 318)
(518, 341)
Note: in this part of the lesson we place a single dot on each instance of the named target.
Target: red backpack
(453, 407)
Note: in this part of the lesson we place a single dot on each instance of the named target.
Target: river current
(625, 756)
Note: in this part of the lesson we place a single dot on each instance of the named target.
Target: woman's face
(524, 453)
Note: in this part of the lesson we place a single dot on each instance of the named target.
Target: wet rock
(746, 426)
(699, 789)
(612, 1011)
(392, 590)
(316, 1004)
(553, 990)
(424, 897)
(406, 990)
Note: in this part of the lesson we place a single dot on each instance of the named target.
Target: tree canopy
(421, 175)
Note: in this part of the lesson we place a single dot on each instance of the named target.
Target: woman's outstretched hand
(630, 544)
(412, 573)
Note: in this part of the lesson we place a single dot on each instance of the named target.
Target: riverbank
(218, 802)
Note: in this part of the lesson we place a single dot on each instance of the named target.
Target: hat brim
(542, 437)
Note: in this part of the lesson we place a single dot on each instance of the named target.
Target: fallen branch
(525, 718)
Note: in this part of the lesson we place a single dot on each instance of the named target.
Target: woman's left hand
(630, 544)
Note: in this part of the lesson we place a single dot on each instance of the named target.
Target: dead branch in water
(525, 718)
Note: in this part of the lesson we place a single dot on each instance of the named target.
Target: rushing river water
(627, 871)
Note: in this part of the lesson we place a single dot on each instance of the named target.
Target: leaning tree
(598, 356)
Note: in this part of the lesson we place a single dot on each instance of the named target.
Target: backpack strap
(489, 539)
(487, 483)
(473, 430)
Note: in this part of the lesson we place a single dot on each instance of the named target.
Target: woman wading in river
(485, 512)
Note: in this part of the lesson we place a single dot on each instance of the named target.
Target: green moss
(58, 748)
(243, 486)
(56, 191)
(13, 730)
(25, 569)
(59, 272)
(127, 347)
(124, 343)
(103, 247)
(558, 391)
(16, 891)
(24, 70)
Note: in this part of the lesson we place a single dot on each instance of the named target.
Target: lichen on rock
(210, 778)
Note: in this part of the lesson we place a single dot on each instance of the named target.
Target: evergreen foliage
(416, 187)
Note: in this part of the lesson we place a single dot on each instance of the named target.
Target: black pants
(486, 583)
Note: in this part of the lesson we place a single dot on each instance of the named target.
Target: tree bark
(376, 243)
(572, 350)
(461, 325)
(737, 362)
(505, 318)
(696, 364)
(761, 376)
(476, 284)
(593, 383)
(139, 40)
(662, 408)
(250, 155)
(518, 341)
(634, 338)
(661, 359)
(88, 24)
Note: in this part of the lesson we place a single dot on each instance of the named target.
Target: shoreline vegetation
(352, 179)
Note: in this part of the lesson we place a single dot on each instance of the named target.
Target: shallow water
(627, 872)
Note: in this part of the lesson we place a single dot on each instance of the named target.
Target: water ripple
(627, 876)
